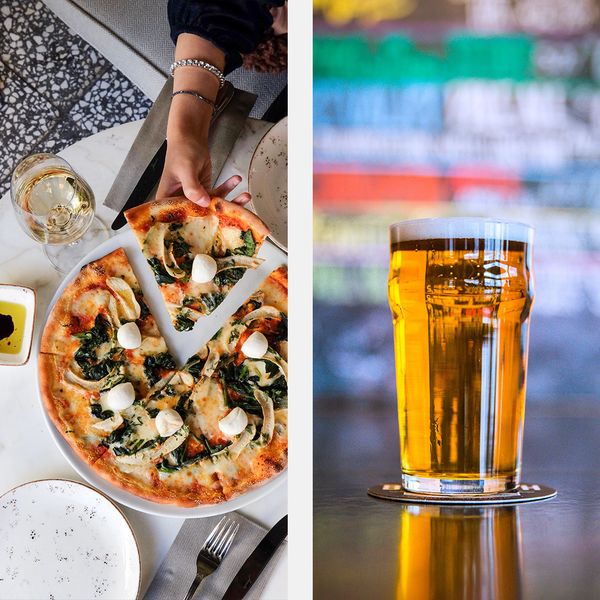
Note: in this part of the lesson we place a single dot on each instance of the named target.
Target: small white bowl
(25, 296)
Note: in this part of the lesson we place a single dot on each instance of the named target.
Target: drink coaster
(526, 492)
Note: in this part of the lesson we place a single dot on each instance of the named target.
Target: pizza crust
(255, 466)
(169, 210)
(72, 429)
(275, 288)
(149, 486)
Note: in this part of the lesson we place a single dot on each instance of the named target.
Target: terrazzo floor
(55, 89)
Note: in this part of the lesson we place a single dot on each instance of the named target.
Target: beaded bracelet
(192, 62)
(196, 95)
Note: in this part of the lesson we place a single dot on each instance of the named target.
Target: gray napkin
(177, 572)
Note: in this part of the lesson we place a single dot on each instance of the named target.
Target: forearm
(188, 115)
(187, 164)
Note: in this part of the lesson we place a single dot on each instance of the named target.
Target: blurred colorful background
(439, 107)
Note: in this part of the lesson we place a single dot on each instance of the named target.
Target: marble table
(27, 451)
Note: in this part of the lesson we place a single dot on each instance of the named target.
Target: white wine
(54, 205)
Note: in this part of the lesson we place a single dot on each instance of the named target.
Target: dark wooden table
(375, 549)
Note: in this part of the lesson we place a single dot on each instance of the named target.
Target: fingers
(242, 199)
(194, 191)
(227, 186)
(181, 175)
(167, 187)
(197, 193)
(187, 169)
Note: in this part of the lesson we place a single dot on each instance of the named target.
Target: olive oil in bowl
(12, 327)
(17, 314)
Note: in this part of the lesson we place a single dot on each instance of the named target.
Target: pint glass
(460, 291)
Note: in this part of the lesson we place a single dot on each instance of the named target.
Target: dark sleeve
(235, 26)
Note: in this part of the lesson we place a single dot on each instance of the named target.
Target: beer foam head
(460, 228)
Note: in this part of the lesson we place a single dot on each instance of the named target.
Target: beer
(460, 292)
(459, 553)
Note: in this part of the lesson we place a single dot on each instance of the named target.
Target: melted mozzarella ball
(204, 268)
(256, 345)
(129, 336)
(120, 397)
(234, 423)
(167, 422)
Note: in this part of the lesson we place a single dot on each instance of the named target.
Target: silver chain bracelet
(192, 62)
(196, 95)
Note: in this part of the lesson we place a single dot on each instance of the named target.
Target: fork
(213, 551)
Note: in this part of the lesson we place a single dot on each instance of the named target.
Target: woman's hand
(188, 170)
(187, 163)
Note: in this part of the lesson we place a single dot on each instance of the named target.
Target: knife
(279, 108)
(143, 150)
(256, 562)
(233, 107)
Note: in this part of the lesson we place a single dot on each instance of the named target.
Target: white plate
(181, 345)
(62, 539)
(267, 181)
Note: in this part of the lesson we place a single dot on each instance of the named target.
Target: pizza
(80, 357)
(197, 254)
(197, 435)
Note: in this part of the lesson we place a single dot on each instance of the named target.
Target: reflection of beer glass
(461, 291)
(459, 553)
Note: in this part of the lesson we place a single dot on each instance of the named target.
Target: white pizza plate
(181, 345)
(62, 539)
(267, 181)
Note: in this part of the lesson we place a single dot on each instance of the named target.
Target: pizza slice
(232, 397)
(101, 351)
(255, 381)
(197, 254)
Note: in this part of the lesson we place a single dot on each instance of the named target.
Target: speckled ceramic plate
(62, 539)
(267, 182)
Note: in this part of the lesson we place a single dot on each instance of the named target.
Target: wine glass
(55, 207)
